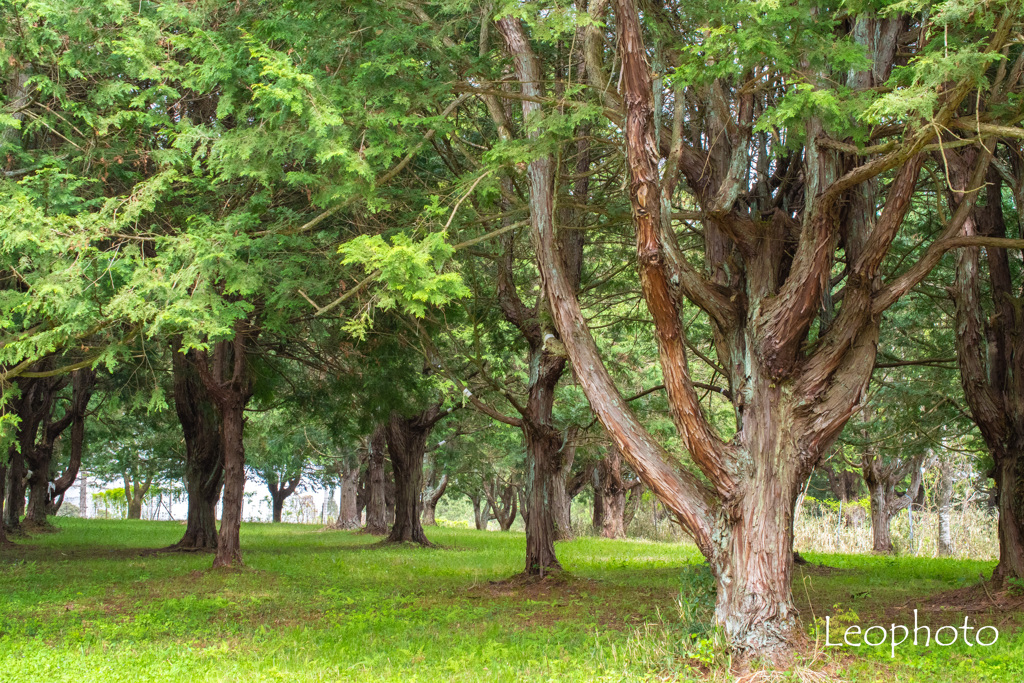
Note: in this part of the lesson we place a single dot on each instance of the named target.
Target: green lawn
(89, 604)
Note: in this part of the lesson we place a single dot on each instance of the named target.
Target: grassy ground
(91, 604)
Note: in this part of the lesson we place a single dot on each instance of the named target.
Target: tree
(204, 456)
(990, 334)
(771, 245)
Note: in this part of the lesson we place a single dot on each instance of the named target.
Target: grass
(91, 604)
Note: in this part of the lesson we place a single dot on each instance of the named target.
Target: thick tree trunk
(407, 444)
(204, 456)
(1010, 483)
(561, 506)
(277, 507)
(990, 352)
(230, 385)
(348, 508)
(376, 505)
(612, 494)
(38, 486)
(597, 516)
(542, 447)
(882, 480)
(279, 493)
(229, 546)
(135, 508)
(430, 500)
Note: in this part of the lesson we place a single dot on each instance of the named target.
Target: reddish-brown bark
(990, 351)
(767, 280)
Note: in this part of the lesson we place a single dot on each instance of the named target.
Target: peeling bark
(990, 353)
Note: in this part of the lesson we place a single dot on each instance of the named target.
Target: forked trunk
(481, 512)
(430, 500)
(1010, 483)
(277, 507)
(135, 508)
(230, 385)
(407, 444)
(204, 457)
(542, 448)
(376, 506)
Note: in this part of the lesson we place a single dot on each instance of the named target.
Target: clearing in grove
(93, 602)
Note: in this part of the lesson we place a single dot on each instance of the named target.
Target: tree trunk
(881, 518)
(882, 480)
(943, 503)
(407, 444)
(277, 506)
(279, 492)
(990, 350)
(480, 512)
(348, 509)
(204, 455)
(502, 499)
(613, 494)
(83, 495)
(431, 499)
(376, 506)
(542, 447)
(1010, 484)
(230, 385)
(561, 506)
(597, 517)
(636, 495)
(135, 508)
(229, 547)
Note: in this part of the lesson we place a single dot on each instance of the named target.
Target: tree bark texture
(882, 479)
(229, 382)
(348, 508)
(767, 277)
(407, 444)
(39, 456)
(431, 497)
(204, 454)
(376, 510)
(990, 352)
